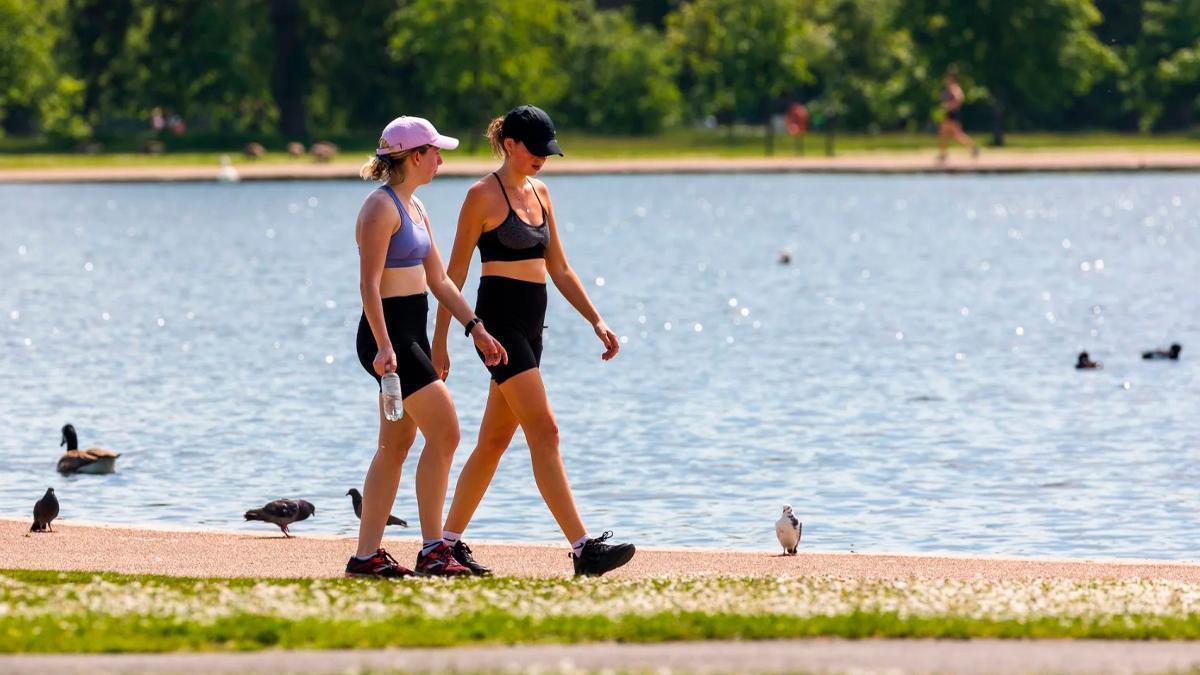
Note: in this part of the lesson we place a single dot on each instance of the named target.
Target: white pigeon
(787, 528)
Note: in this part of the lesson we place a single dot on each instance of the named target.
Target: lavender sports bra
(409, 246)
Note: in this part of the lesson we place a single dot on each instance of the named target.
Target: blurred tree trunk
(20, 120)
(289, 72)
(998, 112)
(770, 127)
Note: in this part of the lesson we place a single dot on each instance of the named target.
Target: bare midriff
(398, 281)
(533, 271)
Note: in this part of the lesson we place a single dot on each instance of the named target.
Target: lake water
(906, 382)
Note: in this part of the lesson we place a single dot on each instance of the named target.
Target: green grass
(85, 612)
(743, 142)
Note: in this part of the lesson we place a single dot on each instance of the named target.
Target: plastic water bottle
(393, 402)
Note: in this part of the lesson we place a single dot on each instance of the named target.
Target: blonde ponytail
(386, 167)
(493, 136)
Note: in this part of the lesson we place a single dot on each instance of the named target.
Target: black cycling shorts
(513, 311)
(406, 317)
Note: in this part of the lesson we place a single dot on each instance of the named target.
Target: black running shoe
(439, 562)
(381, 565)
(462, 553)
(598, 557)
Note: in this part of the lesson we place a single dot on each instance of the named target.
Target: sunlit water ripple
(906, 382)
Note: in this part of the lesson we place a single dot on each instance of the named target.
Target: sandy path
(905, 162)
(227, 554)
(810, 656)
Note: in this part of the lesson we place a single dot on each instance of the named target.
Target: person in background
(951, 126)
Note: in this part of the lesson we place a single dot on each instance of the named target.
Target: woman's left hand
(493, 351)
(609, 338)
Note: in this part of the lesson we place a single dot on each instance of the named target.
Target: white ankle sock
(428, 545)
(451, 538)
(577, 547)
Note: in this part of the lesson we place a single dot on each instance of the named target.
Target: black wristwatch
(471, 324)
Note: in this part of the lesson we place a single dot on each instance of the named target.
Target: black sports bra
(514, 239)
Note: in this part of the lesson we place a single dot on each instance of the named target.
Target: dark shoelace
(598, 542)
(387, 558)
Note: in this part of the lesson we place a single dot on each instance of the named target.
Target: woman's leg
(961, 136)
(495, 434)
(432, 409)
(379, 487)
(526, 398)
(943, 138)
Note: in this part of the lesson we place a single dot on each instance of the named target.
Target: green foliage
(476, 60)
(621, 75)
(230, 68)
(738, 58)
(204, 60)
(32, 83)
(1025, 55)
(356, 84)
(1164, 64)
(868, 76)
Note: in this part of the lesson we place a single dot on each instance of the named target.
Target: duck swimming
(1086, 363)
(92, 460)
(1172, 353)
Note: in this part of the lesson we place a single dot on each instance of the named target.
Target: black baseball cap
(533, 127)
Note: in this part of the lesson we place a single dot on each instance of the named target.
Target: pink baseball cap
(406, 133)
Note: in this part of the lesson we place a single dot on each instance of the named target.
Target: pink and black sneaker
(381, 565)
(440, 562)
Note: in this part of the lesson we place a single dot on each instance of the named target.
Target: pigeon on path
(356, 498)
(283, 512)
(44, 511)
(787, 528)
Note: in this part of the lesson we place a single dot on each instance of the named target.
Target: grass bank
(675, 144)
(51, 612)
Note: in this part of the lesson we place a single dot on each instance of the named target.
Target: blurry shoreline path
(199, 553)
(777, 656)
(992, 161)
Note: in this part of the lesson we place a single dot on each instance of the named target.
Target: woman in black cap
(510, 218)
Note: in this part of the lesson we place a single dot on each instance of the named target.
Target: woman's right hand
(493, 352)
(385, 361)
(441, 359)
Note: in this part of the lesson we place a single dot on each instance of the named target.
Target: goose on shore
(92, 460)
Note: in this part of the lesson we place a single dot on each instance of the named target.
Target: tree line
(297, 69)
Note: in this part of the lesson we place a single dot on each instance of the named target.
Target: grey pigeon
(356, 497)
(787, 528)
(283, 512)
(44, 511)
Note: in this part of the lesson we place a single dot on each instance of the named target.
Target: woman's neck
(403, 188)
(510, 176)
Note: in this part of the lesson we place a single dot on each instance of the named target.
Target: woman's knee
(444, 439)
(543, 436)
(397, 437)
(492, 446)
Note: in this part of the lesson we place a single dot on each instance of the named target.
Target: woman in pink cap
(398, 265)
(509, 217)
